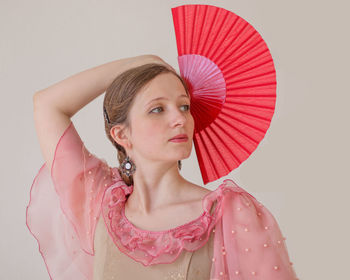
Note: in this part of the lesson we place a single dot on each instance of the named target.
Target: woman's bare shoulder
(196, 192)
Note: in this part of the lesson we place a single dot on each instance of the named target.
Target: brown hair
(119, 99)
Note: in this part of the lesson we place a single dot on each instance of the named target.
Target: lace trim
(156, 247)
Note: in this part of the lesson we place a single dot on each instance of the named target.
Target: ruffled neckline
(204, 212)
(156, 247)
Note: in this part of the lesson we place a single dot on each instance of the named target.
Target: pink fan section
(65, 205)
(206, 85)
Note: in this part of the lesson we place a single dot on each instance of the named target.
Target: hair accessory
(232, 82)
(127, 167)
(106, 115)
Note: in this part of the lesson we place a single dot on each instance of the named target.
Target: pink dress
(76, 213)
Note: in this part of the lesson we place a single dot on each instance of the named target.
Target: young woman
(142, 220)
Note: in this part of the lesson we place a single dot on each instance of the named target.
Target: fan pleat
(249, 86)
(207, 30)
(247, 132)
(232, 82)
(223, 147)
(199, 21)
(203, 156)
(230, 55)
(214, 151)
(224, 53)
(265, 75)
(245, 115)
(248, 62)
(216, 26)
(255, 107)
(225, 35)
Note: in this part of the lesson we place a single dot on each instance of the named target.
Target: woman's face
(161, 110)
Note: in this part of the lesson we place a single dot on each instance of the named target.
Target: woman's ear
(118, 134)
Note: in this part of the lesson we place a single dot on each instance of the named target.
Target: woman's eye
(186, 105)
(155, 109)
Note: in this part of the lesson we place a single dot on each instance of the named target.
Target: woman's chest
(165, 219)
(111, 263)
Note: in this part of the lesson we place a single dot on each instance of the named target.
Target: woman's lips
(179, 138)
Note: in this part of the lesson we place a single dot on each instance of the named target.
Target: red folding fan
(232, 80)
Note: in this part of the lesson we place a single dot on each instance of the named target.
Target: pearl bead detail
(279, 241)
(89, 155)
(233, 231)
(239, 208)
(253, 272)
(236, 272)
(275, 267)
(89, 171)
(265, 245)
(221, 273)
(246, 229)
(259, 214)
(213, 259)
(105, 185)
(214, 230)
(246, 249)
(266, 227)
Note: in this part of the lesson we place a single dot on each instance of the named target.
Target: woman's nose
(179, 118)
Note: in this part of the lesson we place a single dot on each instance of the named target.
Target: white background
(300, 171)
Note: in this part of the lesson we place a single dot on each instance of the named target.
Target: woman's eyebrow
(159, 98)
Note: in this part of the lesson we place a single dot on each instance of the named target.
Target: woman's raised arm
(55, 105)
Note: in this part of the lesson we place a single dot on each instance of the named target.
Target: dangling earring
(179, 164)
(128, 167)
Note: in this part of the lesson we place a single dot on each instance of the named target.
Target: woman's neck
(155, 188)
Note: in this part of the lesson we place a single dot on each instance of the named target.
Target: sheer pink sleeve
(65, 205)
(248, 243)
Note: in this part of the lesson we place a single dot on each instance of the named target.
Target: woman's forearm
(73, 93)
